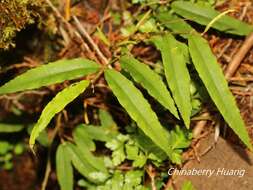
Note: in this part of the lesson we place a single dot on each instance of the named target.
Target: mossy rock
(16, 15)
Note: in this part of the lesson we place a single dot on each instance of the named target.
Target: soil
(222, 158)
(22, 177)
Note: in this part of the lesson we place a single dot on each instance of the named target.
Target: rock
(225, 167)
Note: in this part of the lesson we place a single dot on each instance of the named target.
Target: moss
(14, 16)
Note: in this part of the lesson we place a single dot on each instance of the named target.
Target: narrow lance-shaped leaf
(82, 135)
(216, 84)
(150, 81)
(176, 73)
(174, 23)
(205, 14)
(10, 128)
(138, 108)
(59, 102)
(107, 122)
(80, 163)
(98, 133)
(93, 161)
(64, 168)
(51, 73)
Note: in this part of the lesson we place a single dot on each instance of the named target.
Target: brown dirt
(224, 155)
(22, 177)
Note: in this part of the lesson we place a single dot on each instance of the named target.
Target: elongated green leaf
(174, 23)
(150, 81)
(216, 84)
(64, 169)
(93, 161)
(42, 138)
(10, 128)
(205, 14)
(138, 108)
(148, 146)
(81, 135)
(176, 73)
(59, 102)
(80, 163)
(51, 73)
(94, 132)
(107, 122)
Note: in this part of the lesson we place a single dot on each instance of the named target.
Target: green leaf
(79, 161)
(179, 140)
(187, 185)
(174, 23)
(138, 108)
(5, 146)
(118, 156)
(151, 81)
(96, 162)
(83, 141)
(64, 169)
(19, 149)
(130, 180)
(81, 135)
(95, 132)
(56, 105)
(211, 75)
(107, 122)
(148, 146)
(117, 145)
(133, 179)
(133, 153)
(51, 73)
(42, 138)
(10, 128)
(149, 26)
(100, 34)
(205, 14)
(176, 73)
(185, 51)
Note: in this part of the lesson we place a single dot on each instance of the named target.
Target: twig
(69, 27)
(47, 173)
(58, 14)
(239, 56)
(151, 173)
(67, 9)
(142, 21)
(200, 125)
(246, 79)
(90, 40)
(48, 167)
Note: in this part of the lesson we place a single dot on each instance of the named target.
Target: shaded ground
(22, 177)
(224, 159)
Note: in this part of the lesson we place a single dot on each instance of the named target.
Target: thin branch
(90, 40)
(239, 56)
(200, 125)
(48, 167)
(69, 27)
